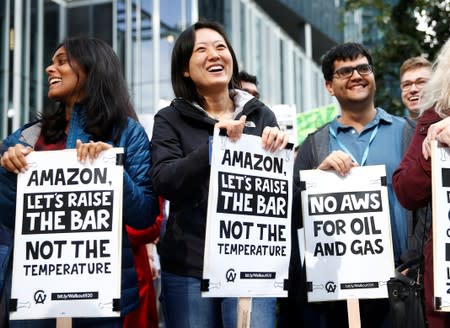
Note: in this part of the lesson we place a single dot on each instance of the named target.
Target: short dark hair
(183, 86)
(344, 51)
(247, 77)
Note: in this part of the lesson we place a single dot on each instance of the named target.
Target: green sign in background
(308, 122)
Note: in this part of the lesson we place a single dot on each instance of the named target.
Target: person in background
(361, 135)
(249, 83)
(94, 113)
(412, 178)
(206, 83)
(414, 74)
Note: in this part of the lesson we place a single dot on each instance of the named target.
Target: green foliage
(310, 121)
(399, 38)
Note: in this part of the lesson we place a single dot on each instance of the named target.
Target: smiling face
(66, 79)
(356, 89)
(211, 63)
(411, 84)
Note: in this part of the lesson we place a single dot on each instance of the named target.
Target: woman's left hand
(90, 149)
(274, 139)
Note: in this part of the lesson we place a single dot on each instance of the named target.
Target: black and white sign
(441, 225)
(248, 227)
(348, 251)
(68, 235)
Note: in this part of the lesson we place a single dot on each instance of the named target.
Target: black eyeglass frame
(345, 73)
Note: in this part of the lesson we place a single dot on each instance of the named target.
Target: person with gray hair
(412, 179)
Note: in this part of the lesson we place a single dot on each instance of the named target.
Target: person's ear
(329, 86)
(186, 74)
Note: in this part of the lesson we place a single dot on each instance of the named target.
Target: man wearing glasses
(414, 74)
(361, 134)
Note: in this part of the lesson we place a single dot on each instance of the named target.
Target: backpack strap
(322, 143)
(408, 132)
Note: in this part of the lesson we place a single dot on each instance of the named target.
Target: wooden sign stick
(63, 322)
(354, 318)
(244, 312)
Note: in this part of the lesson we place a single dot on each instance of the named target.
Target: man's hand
(339, 161)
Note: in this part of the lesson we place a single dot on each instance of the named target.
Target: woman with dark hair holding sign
(93, 115)
(205, 81)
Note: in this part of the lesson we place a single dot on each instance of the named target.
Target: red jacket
(146, 315)
(412, 179)
(412, 184)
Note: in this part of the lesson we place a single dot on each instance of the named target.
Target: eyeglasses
(419, 83)
(347, 71)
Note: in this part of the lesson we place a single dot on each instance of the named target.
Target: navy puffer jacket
(140, 206)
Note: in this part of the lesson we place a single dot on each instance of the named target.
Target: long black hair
(106, 96)
(183, 86)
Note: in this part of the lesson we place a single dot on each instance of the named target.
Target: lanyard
(345, 149)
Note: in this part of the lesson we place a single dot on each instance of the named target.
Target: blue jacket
(140, 206)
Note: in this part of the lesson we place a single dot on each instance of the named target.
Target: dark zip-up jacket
(180, 173)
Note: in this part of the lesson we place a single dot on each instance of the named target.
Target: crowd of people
(93, 113)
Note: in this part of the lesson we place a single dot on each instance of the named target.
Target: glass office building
(142, 32)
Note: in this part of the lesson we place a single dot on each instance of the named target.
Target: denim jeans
(184, 307)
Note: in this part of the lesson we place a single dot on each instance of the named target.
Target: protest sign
(440, 167)
(287, 120)
(67, 243)
(348, 250)
(247, 245)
